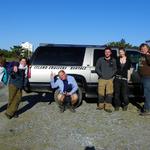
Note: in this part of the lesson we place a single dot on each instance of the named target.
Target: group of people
(113, 80)
(113, 77)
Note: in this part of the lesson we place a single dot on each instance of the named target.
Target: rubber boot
(108, 107)
(100, 106)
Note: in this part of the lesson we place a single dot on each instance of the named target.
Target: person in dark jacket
(106, 69)
(16, 83)
(121, 81)
(144, 70)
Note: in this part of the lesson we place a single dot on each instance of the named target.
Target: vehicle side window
(69, 56)
(134, 57)
(100, 53)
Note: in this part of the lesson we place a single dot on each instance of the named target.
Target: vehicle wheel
(55, 96)
(79, 102)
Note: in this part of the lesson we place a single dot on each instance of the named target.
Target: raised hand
(15, 69)
(52, 75)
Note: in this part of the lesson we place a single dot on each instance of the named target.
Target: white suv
(76, 60)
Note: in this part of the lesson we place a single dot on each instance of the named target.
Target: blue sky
(73, 21)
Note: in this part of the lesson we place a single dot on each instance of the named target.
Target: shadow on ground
(3, 108)
(90, 148)
(32, 101)
(48, 97)
(135, 101)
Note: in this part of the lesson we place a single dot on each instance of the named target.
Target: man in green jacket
(16, 83)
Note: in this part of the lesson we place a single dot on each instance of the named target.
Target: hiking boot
(8, 116)
(108, 110)
(108, 107)
(145, 113)
(72, 109)
(100, 106)
(61, 109)
(124, 108)
(116, 108)
(15, 115)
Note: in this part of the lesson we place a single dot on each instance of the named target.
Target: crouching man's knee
(74, 98)
(60, 97)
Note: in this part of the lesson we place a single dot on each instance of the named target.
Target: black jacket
(17, 78)
(123, 71)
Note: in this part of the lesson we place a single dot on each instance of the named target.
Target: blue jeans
(146, 86)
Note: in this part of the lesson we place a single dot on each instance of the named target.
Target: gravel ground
(40, 126)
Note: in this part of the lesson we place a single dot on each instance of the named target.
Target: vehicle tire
(26, 86)
(79, 102)
(55, 96)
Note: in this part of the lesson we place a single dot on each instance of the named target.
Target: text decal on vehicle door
(61, 67)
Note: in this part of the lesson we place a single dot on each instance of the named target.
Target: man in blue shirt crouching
(67, 90)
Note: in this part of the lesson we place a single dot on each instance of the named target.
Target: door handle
(93, 71)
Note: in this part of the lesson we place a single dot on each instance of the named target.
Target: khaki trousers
(105, 90)
(15, 95)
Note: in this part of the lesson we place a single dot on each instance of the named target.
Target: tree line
(122, 43)
(15, 52)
